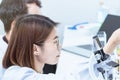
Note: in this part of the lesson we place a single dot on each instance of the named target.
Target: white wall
(75, 11)
(113, 5)
(1, 28)
(69, 12)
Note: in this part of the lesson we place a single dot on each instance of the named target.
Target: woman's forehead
(53, 35)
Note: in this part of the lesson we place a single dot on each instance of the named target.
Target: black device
(110, 24)
(96, 43)
(98, 51)
(112, 64)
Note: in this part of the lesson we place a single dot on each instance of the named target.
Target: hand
(115, 38)
(113, 41)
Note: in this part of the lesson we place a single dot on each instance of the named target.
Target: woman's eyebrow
(55, 37)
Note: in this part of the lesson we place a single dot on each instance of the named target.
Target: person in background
(33, 43)
(10, 9)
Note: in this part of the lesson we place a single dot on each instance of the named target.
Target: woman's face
(50, 51)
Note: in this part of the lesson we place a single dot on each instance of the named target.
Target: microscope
(102, 66)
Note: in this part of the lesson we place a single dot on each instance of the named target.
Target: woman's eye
(55, 42)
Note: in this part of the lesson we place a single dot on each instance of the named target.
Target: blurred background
(70, 12)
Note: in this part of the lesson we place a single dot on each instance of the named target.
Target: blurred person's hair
(10, 9)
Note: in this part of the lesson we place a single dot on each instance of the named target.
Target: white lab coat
(25, 73)
(70, 67)
(3, 47)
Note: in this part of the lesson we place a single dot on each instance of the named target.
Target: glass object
(102, 37)
(99, 41)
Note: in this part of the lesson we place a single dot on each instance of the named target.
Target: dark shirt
(49, 69)
(5, 39)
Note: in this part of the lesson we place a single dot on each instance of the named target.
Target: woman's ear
(35, 50)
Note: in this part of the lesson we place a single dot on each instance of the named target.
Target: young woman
(34, 42)
(9, 10)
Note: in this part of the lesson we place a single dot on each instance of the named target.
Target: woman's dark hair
(28, 30)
